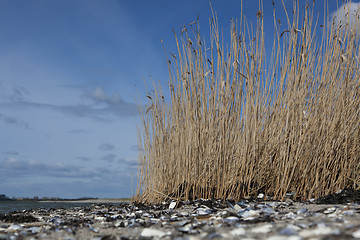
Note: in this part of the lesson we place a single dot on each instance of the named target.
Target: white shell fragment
(238, 232)
(15, 227)
(321, 229)
(203, 211)
(150, 232)
(237, 207)
(261, 195)
(231, 219)
(302, 210)
(356, 234)
(172, 205)
(262, 229)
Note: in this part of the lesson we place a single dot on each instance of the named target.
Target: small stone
(150, 232)
(185, 229)
(268, 210)
(238, 232)
(100, 219)
(273, 204)
(144, 215)
(154, 220)
(289, 201)
(120, 223)
(93, 229)
(348, 212)
(302, 210)
(139, 213)
(262, 229)
(14, 228)
(173, 218)
(243, 205)
(356, 234)
(290, 215)
(231, 219)
(279, 237)
(245, 213)
(237, 207)
(4, 237)
(321, 229)
(203, 211)
(330, 210)
(213, 235)
(289, 230)
(183, 223)
(34, 229)
(184, 213)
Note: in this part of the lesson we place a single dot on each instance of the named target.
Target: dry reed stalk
(235, 126)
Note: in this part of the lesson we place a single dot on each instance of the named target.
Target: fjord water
(10, 206)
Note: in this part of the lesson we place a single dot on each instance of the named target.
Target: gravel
(199, 219)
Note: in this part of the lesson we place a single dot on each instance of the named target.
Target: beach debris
(198, 219)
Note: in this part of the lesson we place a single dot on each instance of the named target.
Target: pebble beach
(335, 217)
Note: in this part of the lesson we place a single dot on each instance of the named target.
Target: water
(9, 206)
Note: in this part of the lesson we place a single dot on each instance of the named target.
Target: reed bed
(238, 122)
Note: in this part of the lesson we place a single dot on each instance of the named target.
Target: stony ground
(200, 219)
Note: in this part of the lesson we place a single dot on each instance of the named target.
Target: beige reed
(238, 122)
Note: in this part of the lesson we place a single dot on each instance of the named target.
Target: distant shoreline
(90, 200)
(96, 200)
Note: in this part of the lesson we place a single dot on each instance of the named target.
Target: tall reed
(238, 122)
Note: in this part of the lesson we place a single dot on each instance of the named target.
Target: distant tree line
(3, 197)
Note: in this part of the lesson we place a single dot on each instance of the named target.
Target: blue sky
(70, 74)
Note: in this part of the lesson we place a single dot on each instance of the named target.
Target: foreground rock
(201, 219)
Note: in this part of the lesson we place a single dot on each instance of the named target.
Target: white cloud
(18, 93)
(85, 159)
(99, 96)
(79, 131)
(348, 14)
(13, 121)
(14, 166)
(10, 153)
(136, 148)
(101, 113)
(106, 147)
(129, 161)
(109, 158)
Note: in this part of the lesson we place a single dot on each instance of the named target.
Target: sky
(71, 75)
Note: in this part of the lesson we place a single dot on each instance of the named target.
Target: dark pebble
(17, 218)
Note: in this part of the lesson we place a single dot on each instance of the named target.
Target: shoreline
(95, 200)
(21, 205)
(105, 200)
